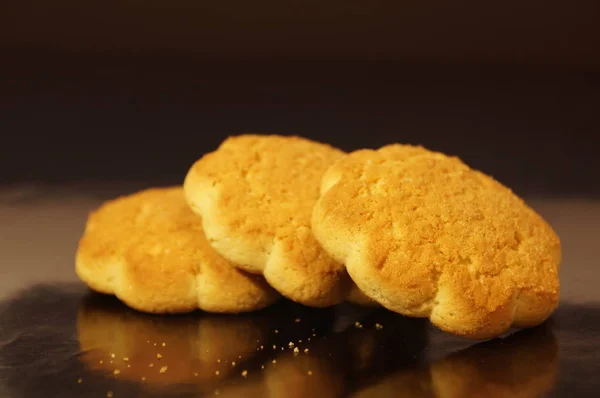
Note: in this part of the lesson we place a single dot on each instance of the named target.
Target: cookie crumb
(117, 371)
(358, 325)
(314, 335)
(262, 347)
(244, 373)
(125, 359)
(291, 344)
(218, 360)
(296, 351)
(262, 366)
(378, 326)
(150, 365)
(297, 320)
(164, 344)
(159, 355)
(154, 344)
(217, 372)
(274, 361)
(143, 378)
(310, 372)
(163, 369)
(299, 341)
(276, 331)
(274, 347)
(101, 361)
(217, 392)
(128, 365)
(109, 394)
(232, 363)
(80, 380)
(195, 374)
(306, 350)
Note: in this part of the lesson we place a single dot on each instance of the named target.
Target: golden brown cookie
(149, 250)
(424, 235)
(255, 195)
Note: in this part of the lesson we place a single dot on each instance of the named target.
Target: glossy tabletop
(57, 339)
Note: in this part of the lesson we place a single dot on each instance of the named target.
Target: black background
(131, 90)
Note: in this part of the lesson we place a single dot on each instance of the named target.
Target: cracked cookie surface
(255, 194)
(149, 250)
(424, 235)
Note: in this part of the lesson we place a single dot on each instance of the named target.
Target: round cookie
(255, 194)
(149, 250)
(424, 235)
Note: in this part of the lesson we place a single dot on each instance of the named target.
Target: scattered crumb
(262, 347)
(112, 356)
(79, 381)
(147, 341)
(126, 359)
(195, 374)
(101, 361)
(378, 326)
(163, 369)
(109, 394)
(306, 350)
(217, 372)
(290, 344)
(159, 355)
(143, 378)
(296, 351)
(239, 356)
(154, 344)
(110, 361)
(232, 363)
(150, 365)
(299, 341)
(308, 339)
(164, 344)
(244, 373)
(358, 325)
(276, 331)
(217, 392)
(314, 335)
(313, 329)
(117, 371)
(274, 347)
(128, 365)
(297, 320)
(310, 372)
(281, 348)
(274, 361)
(262, 366)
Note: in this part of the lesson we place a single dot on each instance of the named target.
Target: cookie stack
(265, 216)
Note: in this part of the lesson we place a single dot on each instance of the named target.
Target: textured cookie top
(424, 235)
(255, 195)
(150, 250)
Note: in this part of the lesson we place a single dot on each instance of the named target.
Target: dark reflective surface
(62, 340)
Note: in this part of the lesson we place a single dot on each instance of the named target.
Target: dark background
(100, 91)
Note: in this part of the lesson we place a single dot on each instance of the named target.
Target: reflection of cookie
(150, 251)
(165, 350)
(425, 235)
(522, 365)
(255, 195)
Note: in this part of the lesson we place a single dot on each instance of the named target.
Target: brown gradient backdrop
(105, 90)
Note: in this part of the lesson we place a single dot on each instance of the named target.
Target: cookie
(424, 235)
(149, 250)
(255, 194)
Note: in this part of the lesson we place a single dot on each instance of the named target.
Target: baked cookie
(255, 194)
(149, 250)
(424, 235)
